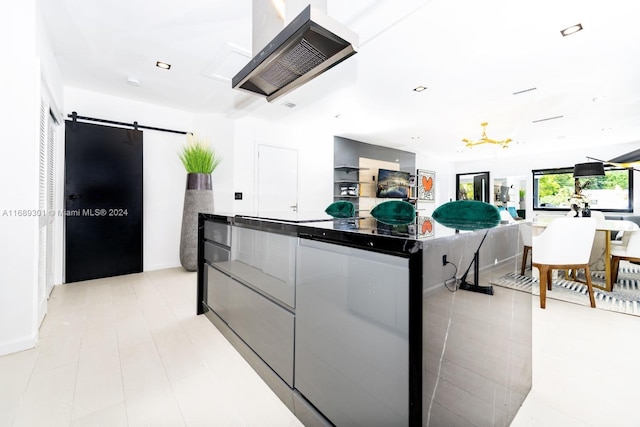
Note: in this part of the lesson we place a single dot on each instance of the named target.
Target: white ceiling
(471, 55)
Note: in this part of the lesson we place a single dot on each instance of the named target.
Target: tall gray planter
(198, 197)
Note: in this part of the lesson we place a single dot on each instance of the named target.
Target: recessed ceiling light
(163, 65)
(419, 88)
(132, 81)
(338, 116)
(571, 30)
(415, 137)
(289, 105)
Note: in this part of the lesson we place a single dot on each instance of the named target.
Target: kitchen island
(356, 322)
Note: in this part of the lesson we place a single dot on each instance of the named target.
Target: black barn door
(103, 201)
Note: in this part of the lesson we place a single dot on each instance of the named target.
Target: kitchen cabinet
(351, 322)
(250, 285)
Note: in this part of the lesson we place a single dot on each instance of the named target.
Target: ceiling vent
(309, 45)
(546, 119)
(525, 91)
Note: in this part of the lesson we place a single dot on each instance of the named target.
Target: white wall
(315, 182)
(220, 131)
(163, 174)
(19, 108)
(444, 188)
(315, 162)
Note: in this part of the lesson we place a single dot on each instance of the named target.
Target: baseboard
(20, 344)
(163, 266)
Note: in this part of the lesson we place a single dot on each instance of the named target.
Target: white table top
(604, 225)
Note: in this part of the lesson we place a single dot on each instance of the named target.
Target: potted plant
(199, 160)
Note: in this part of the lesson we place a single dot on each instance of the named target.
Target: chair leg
(592, 299)
(543, 269)
(615, 263)
(525, 254)
(549, 278)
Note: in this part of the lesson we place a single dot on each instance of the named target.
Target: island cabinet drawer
(218, 232)
(215, 253)
(217, 296)
(266, 261)
(266, 327)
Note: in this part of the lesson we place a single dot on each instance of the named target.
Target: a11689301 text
(97, 212)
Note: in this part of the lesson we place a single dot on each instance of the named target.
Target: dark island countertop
(363, 232)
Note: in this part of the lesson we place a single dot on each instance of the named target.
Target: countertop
(366, 233)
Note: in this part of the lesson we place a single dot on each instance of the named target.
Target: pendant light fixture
(485, 139)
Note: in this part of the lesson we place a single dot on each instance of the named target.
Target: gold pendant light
(486, 140)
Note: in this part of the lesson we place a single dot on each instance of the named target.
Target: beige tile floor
(129, 351)
(586, 368)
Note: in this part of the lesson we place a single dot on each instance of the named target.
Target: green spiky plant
(197, 156)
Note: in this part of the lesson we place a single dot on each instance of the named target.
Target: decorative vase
(577, 209)
(198, 197)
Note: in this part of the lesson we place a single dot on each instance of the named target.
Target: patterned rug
(625, 298)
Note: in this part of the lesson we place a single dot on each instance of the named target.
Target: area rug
(625, 298)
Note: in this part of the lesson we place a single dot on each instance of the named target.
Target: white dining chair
(526, 230)
(628, 252)
(622, 237)
(565, 244)
(597, 259)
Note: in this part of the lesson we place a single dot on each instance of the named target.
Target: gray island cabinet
(350, 322)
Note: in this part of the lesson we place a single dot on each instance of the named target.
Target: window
(552, 189)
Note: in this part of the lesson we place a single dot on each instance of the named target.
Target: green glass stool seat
(341, 209)
(467, 215)
(394, 212)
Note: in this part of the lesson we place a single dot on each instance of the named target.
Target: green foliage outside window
(555, 188)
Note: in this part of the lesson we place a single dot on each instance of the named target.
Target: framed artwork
(426, 186)
(425, 226)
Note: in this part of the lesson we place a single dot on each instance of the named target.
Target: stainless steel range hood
(308, 46)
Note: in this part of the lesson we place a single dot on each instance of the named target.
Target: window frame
(556, 171)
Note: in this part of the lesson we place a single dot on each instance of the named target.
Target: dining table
(605, 226)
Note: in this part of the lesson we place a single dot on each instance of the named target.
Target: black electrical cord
(453, 278)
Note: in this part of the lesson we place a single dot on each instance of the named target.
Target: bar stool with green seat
(341, 209)
(469, 215)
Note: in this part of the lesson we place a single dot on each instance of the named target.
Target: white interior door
(51, 195)
(46, 205)
(42, 219)
(277, 180)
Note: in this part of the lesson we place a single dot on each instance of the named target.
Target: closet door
(103, 201)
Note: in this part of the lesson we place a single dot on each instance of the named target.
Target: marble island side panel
(476, 347)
